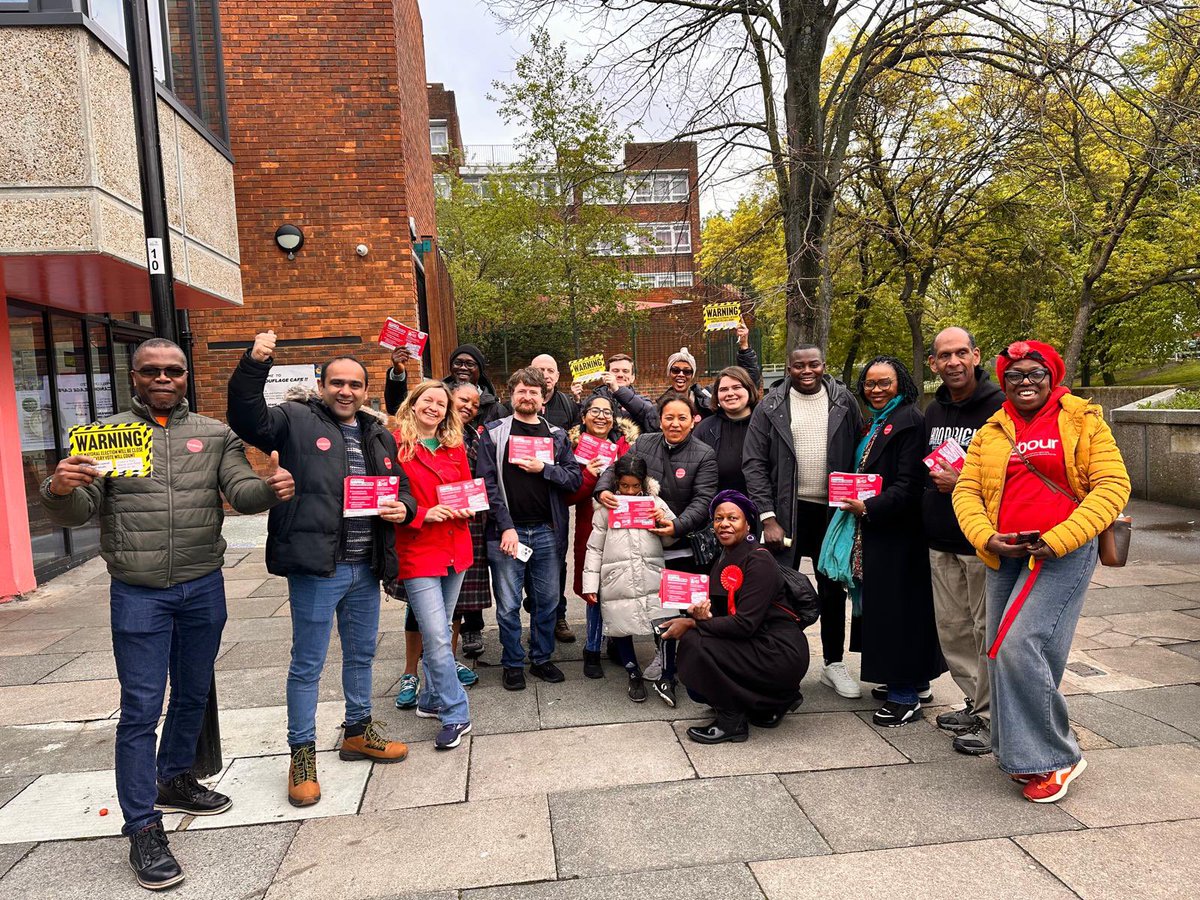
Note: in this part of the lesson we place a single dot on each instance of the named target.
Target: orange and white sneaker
(1053, 787)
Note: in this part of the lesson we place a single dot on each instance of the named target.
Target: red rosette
(732, 578)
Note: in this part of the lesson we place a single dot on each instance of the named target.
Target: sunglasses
(156, 371)
(678, 371)
(1033, 376)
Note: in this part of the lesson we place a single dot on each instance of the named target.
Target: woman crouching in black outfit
(742, 652)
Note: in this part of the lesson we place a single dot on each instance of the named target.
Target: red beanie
(1043, 353)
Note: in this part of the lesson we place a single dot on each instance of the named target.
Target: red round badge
(679, 473)
(887, 429)
(323, 443)
(387, 461)
(195, 445)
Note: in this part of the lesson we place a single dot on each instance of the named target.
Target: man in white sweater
(801, 431)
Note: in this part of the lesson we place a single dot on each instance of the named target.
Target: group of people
(936, 560)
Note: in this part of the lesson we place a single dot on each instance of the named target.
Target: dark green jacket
(166, 529)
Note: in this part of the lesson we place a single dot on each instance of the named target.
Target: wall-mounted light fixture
(289, 239)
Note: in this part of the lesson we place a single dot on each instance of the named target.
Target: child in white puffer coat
(623, 568)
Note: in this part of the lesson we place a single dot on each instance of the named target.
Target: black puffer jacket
(303, 535)
(686, 476)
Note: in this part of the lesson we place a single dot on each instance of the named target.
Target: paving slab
(30, 669)
(1137, 575)
(245, 688)
(57, 747)
(1190, 649)
(565, 759)
(10, 855)
(262, 731)
(898, 806)
(1150, 862)
(95, 665)
(272, 587)
(239, 588)
(23, 643)
(1131, 786)
(252, 607)
(1152, 664)
(919, 741)
(584, 701)
(230, 864)
(493, 711)
(258, 787)
(266, 654)
(1090, 626)
(87, 614)
(1188, 591)
(801, 743)
(477, 844)
(911, 874)
(1161, 623)
(1090, 740)
(25, 704)
(1122, 726)
(269, 629)
(428, 777)
(81, 640)
(720, 882)
(613, 830)
(1116, 600)
(12, 785)
(10, 612)
(65, 805)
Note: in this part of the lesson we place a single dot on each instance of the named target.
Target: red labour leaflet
(470, 495)
(590, 446)
(364, 493)
(522, 447)
(396, 334)
(632, 512)
(950, 453)
(849, 486)
(679, 590)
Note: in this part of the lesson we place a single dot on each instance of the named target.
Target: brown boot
(303, 789)
(563, 633)
(371, 744)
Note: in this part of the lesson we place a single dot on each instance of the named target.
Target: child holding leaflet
(622, 571)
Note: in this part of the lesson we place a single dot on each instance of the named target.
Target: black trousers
(812, 520)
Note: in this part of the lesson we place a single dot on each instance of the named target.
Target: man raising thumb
(279, 479)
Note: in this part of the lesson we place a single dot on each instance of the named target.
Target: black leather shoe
(591, 664)
(151, 859)
(184, 794)
(514, 679)
(547, 671)
(724, 727)
(766, 720)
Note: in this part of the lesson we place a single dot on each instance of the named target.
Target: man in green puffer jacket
(161, 538)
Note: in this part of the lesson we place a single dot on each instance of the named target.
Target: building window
(658, 187)
(439, 138)
(651, 280)
(441, 186)
(669, 237)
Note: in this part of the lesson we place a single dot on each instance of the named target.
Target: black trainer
(184, 794)
(893, 714)
(637, 688)
(591, 664)
(513, 679)
(548, 672)
(665, 690)
(151, 859)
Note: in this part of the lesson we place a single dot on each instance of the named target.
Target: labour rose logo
(323, 443)
(195, 445)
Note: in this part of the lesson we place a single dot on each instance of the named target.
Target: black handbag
(705, 548)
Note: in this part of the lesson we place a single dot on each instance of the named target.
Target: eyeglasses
(156, 371)
(600, 413)
(675, 370)
(883, 384)
(1033, 376)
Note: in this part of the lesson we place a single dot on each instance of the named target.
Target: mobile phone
(662, 625)
(1025, 537)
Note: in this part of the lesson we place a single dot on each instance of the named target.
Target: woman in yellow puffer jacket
(1043, 478)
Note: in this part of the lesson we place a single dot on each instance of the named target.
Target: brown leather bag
(1113, 542)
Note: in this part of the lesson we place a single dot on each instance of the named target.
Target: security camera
(362, 249)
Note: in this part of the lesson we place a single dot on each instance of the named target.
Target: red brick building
(328, 123)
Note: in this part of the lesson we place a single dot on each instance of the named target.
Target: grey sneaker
(976, 742)
(653, 671)
(959, 720)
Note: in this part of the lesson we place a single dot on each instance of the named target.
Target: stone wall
(1162, 451)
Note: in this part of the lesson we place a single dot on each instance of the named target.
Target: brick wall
(329, 131)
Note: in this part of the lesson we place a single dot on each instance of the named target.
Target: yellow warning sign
(721, 316)
(588, 368)
(120, 451)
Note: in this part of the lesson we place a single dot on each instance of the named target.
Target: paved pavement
(571, 791)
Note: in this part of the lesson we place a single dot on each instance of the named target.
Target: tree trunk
(1083, 315)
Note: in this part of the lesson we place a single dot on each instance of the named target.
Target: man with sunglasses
(965, 400)
(161, 538)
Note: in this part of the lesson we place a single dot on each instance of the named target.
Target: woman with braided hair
(875, 547)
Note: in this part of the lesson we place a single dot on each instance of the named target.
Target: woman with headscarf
(1042, 480)
(742, 651)
(875, 547)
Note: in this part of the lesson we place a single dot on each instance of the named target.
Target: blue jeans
(508, 577)
(906, 693)
(432, 601)
(1030, 730)
(595, 628)
(157, 632)
(352, 593)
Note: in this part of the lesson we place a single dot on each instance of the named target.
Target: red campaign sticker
(195, 445)
(887, 429)
(680, 472)
(387, 461)
(323, 443)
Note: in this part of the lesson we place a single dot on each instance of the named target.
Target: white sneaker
(835, 676)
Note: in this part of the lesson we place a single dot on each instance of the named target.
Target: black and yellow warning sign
(720, 316)
(120, 451)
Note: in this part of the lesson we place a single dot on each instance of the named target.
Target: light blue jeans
(352, 594)
(508, 578)
(432, 601)
(1030, 731)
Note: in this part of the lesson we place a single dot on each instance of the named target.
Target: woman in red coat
(599, 423)
(435, 548)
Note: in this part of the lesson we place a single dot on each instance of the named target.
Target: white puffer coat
(624, 567)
